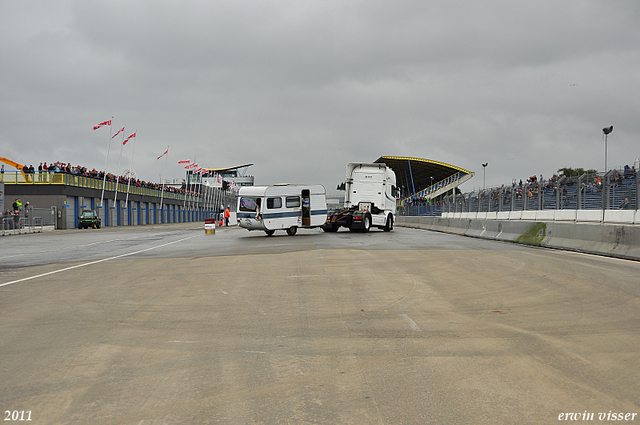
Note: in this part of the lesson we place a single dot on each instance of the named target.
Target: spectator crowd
(531, 187)
(42, 174)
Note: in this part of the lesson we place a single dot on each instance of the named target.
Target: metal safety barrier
(28, 220)
(585, 195)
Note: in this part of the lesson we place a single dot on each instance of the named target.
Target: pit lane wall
(618, 240)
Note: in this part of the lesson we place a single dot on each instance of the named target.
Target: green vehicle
(89, 218)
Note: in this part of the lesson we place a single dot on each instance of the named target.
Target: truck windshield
(248, 204)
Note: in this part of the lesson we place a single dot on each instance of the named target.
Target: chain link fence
(615, 190)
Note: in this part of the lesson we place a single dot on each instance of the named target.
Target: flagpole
(104, 181)
(216, 196)
(192, 198)
(205, 198)
(118, 175)
(187, 195)
(200, 202)
(164, 174)
(186, 187)
(131, 167)
(208, 199)
(196, 197)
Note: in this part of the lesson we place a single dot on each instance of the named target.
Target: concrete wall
(615, 240)
(587, 216)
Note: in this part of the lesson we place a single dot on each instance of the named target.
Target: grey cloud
(301, 88)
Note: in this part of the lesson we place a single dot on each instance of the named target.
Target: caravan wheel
(269, 232)
(292, 230)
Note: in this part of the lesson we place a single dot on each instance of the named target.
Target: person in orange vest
(227, 214)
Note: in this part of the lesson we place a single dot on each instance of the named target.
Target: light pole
(484, 176)
(606, 131)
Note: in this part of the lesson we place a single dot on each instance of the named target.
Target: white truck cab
(370, 199)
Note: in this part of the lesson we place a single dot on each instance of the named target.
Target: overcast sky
(301, 88)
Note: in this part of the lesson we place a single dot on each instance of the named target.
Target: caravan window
(248, 204)
(293, 202)
(274, 203)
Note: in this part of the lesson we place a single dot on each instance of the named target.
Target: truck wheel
(366, 223)
(389, 226)
(269, 232)
(292, 230)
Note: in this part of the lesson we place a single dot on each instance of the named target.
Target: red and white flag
(102, 124)
(199, 170)
(129, 138)
(119, 131)
(165, 152)
(185, 161)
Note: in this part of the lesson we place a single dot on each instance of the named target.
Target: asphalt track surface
(167, 325)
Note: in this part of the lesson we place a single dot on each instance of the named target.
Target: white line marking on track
(75, 247)
(303, 275)
(94, 262)
(412, 324)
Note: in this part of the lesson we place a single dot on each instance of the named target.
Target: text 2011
(17, 415)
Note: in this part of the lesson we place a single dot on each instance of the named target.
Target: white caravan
(282, 207)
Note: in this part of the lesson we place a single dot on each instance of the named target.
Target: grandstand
(423, 179)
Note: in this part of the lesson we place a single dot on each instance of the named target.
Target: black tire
(292, 230)
(269, 232)
(389, 226)
(366, 223)
(333, 228)
(98, 226)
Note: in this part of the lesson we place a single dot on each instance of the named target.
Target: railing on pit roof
(58, 178)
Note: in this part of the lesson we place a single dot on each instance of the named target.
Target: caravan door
(306, 207)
